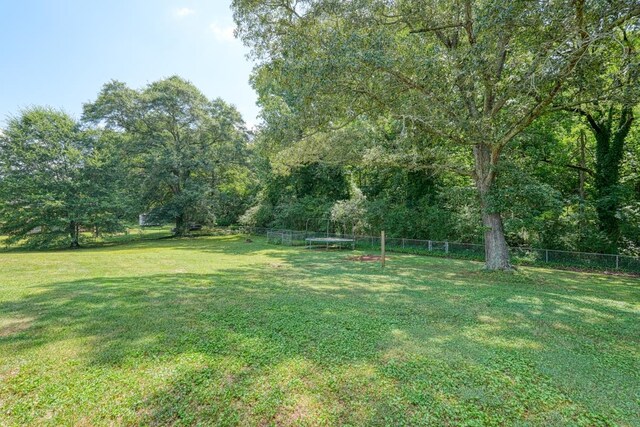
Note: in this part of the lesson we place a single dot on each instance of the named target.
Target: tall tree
(178, 142)
(56, 179)
(610, 129)
(464, 72)
(610, 119)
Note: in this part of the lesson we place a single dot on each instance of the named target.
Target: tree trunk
(582, 175)
(180, 225)
(74, 231)
(606, 182)
(610, 142)
(495, 245)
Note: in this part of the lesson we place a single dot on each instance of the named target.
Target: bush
(260, 215)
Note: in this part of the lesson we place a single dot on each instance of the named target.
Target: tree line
(164, 150)
(506, 123)
(492, 91)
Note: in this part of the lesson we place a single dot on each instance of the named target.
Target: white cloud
(183, 11)
(222, 33)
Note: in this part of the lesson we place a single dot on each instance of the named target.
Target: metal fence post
(446, 247)
(403, 243)
(430, 246)
(382, 252)
(546, 255)
(617, 262)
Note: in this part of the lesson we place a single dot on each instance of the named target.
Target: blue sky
(60, 52)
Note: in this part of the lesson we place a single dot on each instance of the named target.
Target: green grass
(219, 331)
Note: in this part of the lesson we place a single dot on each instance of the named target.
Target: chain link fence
(520, 255)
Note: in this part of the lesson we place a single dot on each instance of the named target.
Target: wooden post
(382, 248)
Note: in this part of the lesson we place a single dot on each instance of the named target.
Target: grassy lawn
(220, 331)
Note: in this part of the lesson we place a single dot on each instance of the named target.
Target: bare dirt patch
(4, 376)
(15, 326)
(366, 258)
(296, 415)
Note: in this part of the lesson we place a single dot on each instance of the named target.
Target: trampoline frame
(328, 242)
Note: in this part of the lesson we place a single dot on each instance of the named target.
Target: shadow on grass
(449, 342)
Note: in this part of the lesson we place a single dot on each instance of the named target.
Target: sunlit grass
(221, 331)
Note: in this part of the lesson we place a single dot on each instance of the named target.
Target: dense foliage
(547, 192)
(56, 180)
(456, 85)
(503, 123)
(165, 151)
(180, 146)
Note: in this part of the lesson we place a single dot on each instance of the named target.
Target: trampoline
(328, 242)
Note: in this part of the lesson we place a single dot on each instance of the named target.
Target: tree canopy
(56, 179)
(472, 74)
(504, 123)
(179, 145)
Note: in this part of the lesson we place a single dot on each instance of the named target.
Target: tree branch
(570, 166)
(437, 28)
(592, 121)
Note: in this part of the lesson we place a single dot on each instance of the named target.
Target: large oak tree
(177, 143)
(463, 73)
(56, 179)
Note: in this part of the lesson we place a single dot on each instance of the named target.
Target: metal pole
(546, 255)
(353, 234)
(617, 262)
(382, 248)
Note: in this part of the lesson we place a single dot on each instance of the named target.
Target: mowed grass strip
(218, 331)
